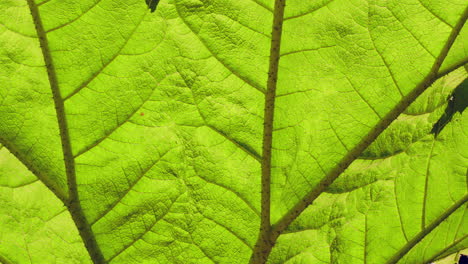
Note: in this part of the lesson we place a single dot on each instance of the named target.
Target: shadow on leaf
(457, 102)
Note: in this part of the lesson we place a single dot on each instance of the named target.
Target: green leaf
(392, 194)
(220, 131)
(36, 227)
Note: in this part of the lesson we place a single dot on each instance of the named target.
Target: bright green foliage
(157, 120)
(402, 182)
(36, 227)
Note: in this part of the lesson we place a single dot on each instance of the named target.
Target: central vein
(264, 243)
(73, 201)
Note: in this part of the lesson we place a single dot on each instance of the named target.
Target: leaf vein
(130, 187)
(243, 78)
(90, 79)
(143, 233)
(73, 20)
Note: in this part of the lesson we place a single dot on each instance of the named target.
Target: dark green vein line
(426, 184)
(305, 50)
(74, 19)
(308, 12)
(232, 191)
(229, 230)
(22, 184)
(434, 14)
(130, 187)
(362, 97)
(44, 2)
(264, 244)
(140, 236)
(442, 253)
(246, 80)
(402, 226)
(104, 65)
(109, 132)
(4, 260)
(365, 251)
(262, 5)
(337, 136)
(202, 250)
(423, 233)
(73, 202)
(294, 212)
(411, 33)
(461, 224)
(387, 66)
(452, 68)
(305, 252)
(247, 149)
(59, 192)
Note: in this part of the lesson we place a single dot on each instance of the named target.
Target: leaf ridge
(21, 34)
(43, 2)
(202, 250)
(304, 50)
(289, 259)
(337, 136)
(73, 202)
(460, 224)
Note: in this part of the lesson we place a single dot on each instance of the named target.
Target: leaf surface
(391, 194)
(32, 217)
(149, 127)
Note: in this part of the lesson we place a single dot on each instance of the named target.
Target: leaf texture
(32, 217)
(391, 194)
(151, 127)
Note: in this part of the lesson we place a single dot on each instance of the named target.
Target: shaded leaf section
(457, 102)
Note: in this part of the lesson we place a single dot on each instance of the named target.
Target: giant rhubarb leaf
(222, 131)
